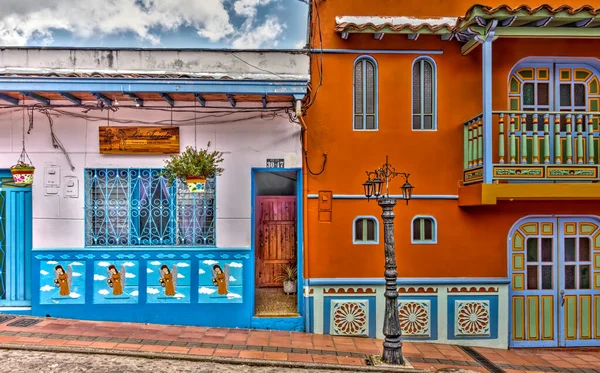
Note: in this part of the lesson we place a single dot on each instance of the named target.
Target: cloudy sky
(154, 23)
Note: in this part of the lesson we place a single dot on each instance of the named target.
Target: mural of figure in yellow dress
(63, 280)
(168, 279)
(221, 279)
(116, 279)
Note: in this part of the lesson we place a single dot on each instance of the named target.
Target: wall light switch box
(71, 188)
(52, 176)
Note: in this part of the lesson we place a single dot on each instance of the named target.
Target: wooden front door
(275, 238)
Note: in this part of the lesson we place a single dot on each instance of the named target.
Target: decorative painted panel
(62, 282)
(168, 281)
(116, 282)
(220, 281)
(350, 317)
(472, 318)
(415, 317)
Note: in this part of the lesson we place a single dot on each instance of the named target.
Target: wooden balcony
(539, 151)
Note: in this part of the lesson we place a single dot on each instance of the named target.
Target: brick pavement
(281, 346)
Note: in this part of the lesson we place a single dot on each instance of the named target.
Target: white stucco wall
(246, 139)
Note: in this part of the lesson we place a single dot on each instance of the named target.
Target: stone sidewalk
(269, 348)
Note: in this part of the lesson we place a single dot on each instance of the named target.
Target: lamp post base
(392, 345)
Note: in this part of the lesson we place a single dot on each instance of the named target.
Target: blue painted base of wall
(295, 324)
(16, 312)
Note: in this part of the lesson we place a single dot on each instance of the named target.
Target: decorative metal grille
(136, 207)
(2, 245)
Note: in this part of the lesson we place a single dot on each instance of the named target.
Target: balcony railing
(534, 145)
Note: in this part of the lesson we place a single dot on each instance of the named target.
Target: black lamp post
(392, 345)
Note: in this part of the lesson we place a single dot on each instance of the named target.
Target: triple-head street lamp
(373, 187)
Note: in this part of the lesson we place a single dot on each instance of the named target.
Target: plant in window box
(193, 166)
(289, 278)
(22, 173)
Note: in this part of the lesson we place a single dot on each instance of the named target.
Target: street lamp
(392, 344)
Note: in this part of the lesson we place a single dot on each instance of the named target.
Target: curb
(207, 359)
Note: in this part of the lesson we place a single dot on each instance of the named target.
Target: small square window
(366, 230)
(424, 230)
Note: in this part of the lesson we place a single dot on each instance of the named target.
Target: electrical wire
(319, 60)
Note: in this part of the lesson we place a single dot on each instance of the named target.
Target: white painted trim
(412, 233)
(15, 309)
(376, 241)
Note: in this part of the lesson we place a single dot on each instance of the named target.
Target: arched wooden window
(365, 94)
(424, 230)
(365, 230)
(424, 94)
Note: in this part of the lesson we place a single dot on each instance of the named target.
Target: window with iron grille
(424, 94)
(365, 230)
(365, 94)
(424, 230)
(137, 207)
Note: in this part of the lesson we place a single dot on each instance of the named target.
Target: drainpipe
(304, 210)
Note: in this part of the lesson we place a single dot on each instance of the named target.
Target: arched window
(424, 94)
(365, 94)
(424, 230)
(365, 230)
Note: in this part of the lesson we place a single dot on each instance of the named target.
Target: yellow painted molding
(490, 194)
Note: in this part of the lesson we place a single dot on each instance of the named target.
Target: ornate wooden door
(275, 238)
(555, 289)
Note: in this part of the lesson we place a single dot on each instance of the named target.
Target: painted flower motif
(350, 318)
(414, 318)
(473, 318)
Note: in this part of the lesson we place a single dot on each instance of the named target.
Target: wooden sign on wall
(139, 140)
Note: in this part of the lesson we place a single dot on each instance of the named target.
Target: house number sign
(275, 163)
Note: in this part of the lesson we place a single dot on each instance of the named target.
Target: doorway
(276, 244)
(555, 287)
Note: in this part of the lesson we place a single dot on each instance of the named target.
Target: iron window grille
(137, 207)
(365, 94)
(424, 95)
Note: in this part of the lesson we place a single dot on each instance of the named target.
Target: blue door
(15, 243)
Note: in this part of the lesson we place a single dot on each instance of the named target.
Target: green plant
(22, 166)
(289, 274)
(192, 162)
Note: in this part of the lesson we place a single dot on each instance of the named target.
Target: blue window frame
(424, 94)
(424, 230)
(365, 230)
(365, 94)
(137, 207)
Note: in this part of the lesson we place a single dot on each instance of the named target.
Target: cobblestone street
(45, 362)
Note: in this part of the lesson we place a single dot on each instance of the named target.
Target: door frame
(559, 312)
(299, 233)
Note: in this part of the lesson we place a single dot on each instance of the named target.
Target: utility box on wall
(325, 206)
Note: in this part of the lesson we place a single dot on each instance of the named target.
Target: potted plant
(193, 166)
(289, 278)
(22, 173)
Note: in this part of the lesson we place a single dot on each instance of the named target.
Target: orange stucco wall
(471, 242)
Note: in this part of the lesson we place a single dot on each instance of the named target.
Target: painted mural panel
(116, 282)
(220, 281)
(62, 282)
(168, 281)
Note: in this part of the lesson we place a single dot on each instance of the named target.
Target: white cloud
(149, 270)
(155, 263)
(129, 264)
(179, 275)
(43, 273)
(247, 8)
(129, 275)
(210, 262)
(51, 262)
(205, 290)
(103, 264)
(235, 265)
(47, 288)
(261, 36)
(233, 296)
(76, 264)
(232, 279)
(152, 290)
(201, 271)
(179, 296)
(183, 265)
(76, 274)
(300, 44)
(99, 278)
(30, 19)
(75, 295)
(134, 293)
(103, 292)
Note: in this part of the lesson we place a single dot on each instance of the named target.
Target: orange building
(493, 110)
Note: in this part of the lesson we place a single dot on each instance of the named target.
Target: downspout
(305, 250)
